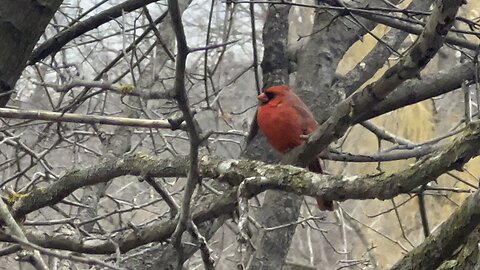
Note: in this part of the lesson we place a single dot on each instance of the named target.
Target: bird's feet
(305, 137)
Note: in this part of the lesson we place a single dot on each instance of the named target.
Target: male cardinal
(285, 120)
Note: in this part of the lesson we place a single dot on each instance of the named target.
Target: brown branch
(359, 103)
(193, 178)
(442, 244)
(55, 43)
(262, 177)
(16, 231)
(122, 90)
(414, 91)
(84, 119)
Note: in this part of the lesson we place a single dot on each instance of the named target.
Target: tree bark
(451, 234)
(22, 24)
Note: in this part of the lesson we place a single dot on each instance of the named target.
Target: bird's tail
(323, 205)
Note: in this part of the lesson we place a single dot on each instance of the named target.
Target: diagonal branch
(451, 234)
(359, 103)
(414, 91)
(377, 57)
(55, 43)
(16, 231)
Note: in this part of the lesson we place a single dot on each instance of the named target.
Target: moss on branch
(263, 176)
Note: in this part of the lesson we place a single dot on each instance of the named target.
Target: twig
(193, 177)
(423, 211)
(417, 152)
(385, 135)
(166, 196)
(83, 119)
(467, 103)
(17, 233)
(254, 46)
(205, 56)
(70, 257)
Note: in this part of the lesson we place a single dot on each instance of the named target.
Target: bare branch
(84, 119)
(16, 231)
(263, 176)
(54, 44)
(442, 244)
(193, 177)
(414, 91)
(361, 101)
(71, 257)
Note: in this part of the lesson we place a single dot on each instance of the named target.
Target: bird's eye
(270, 95)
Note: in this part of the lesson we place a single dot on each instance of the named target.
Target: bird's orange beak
(262, 98)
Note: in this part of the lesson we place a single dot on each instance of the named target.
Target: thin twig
(84, 119)
(17, 233)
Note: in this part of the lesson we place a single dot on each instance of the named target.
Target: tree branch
(346, 113)
(262, 177)
(451, 234)
(16, 231)
(55, 43)
(193, 177)
(85, 119)
(376, 58)
(414, 91)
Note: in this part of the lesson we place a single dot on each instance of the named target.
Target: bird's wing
(308, 122)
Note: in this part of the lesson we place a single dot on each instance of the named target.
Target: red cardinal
(284, 119)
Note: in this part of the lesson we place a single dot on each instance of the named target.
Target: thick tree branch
(414, 91)
(55, 43)
(281, 177)
(451, 234)
(23, 22)
(359, 103)
(16, 231)
(377, 57)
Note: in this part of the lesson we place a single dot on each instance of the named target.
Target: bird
(286, 121)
